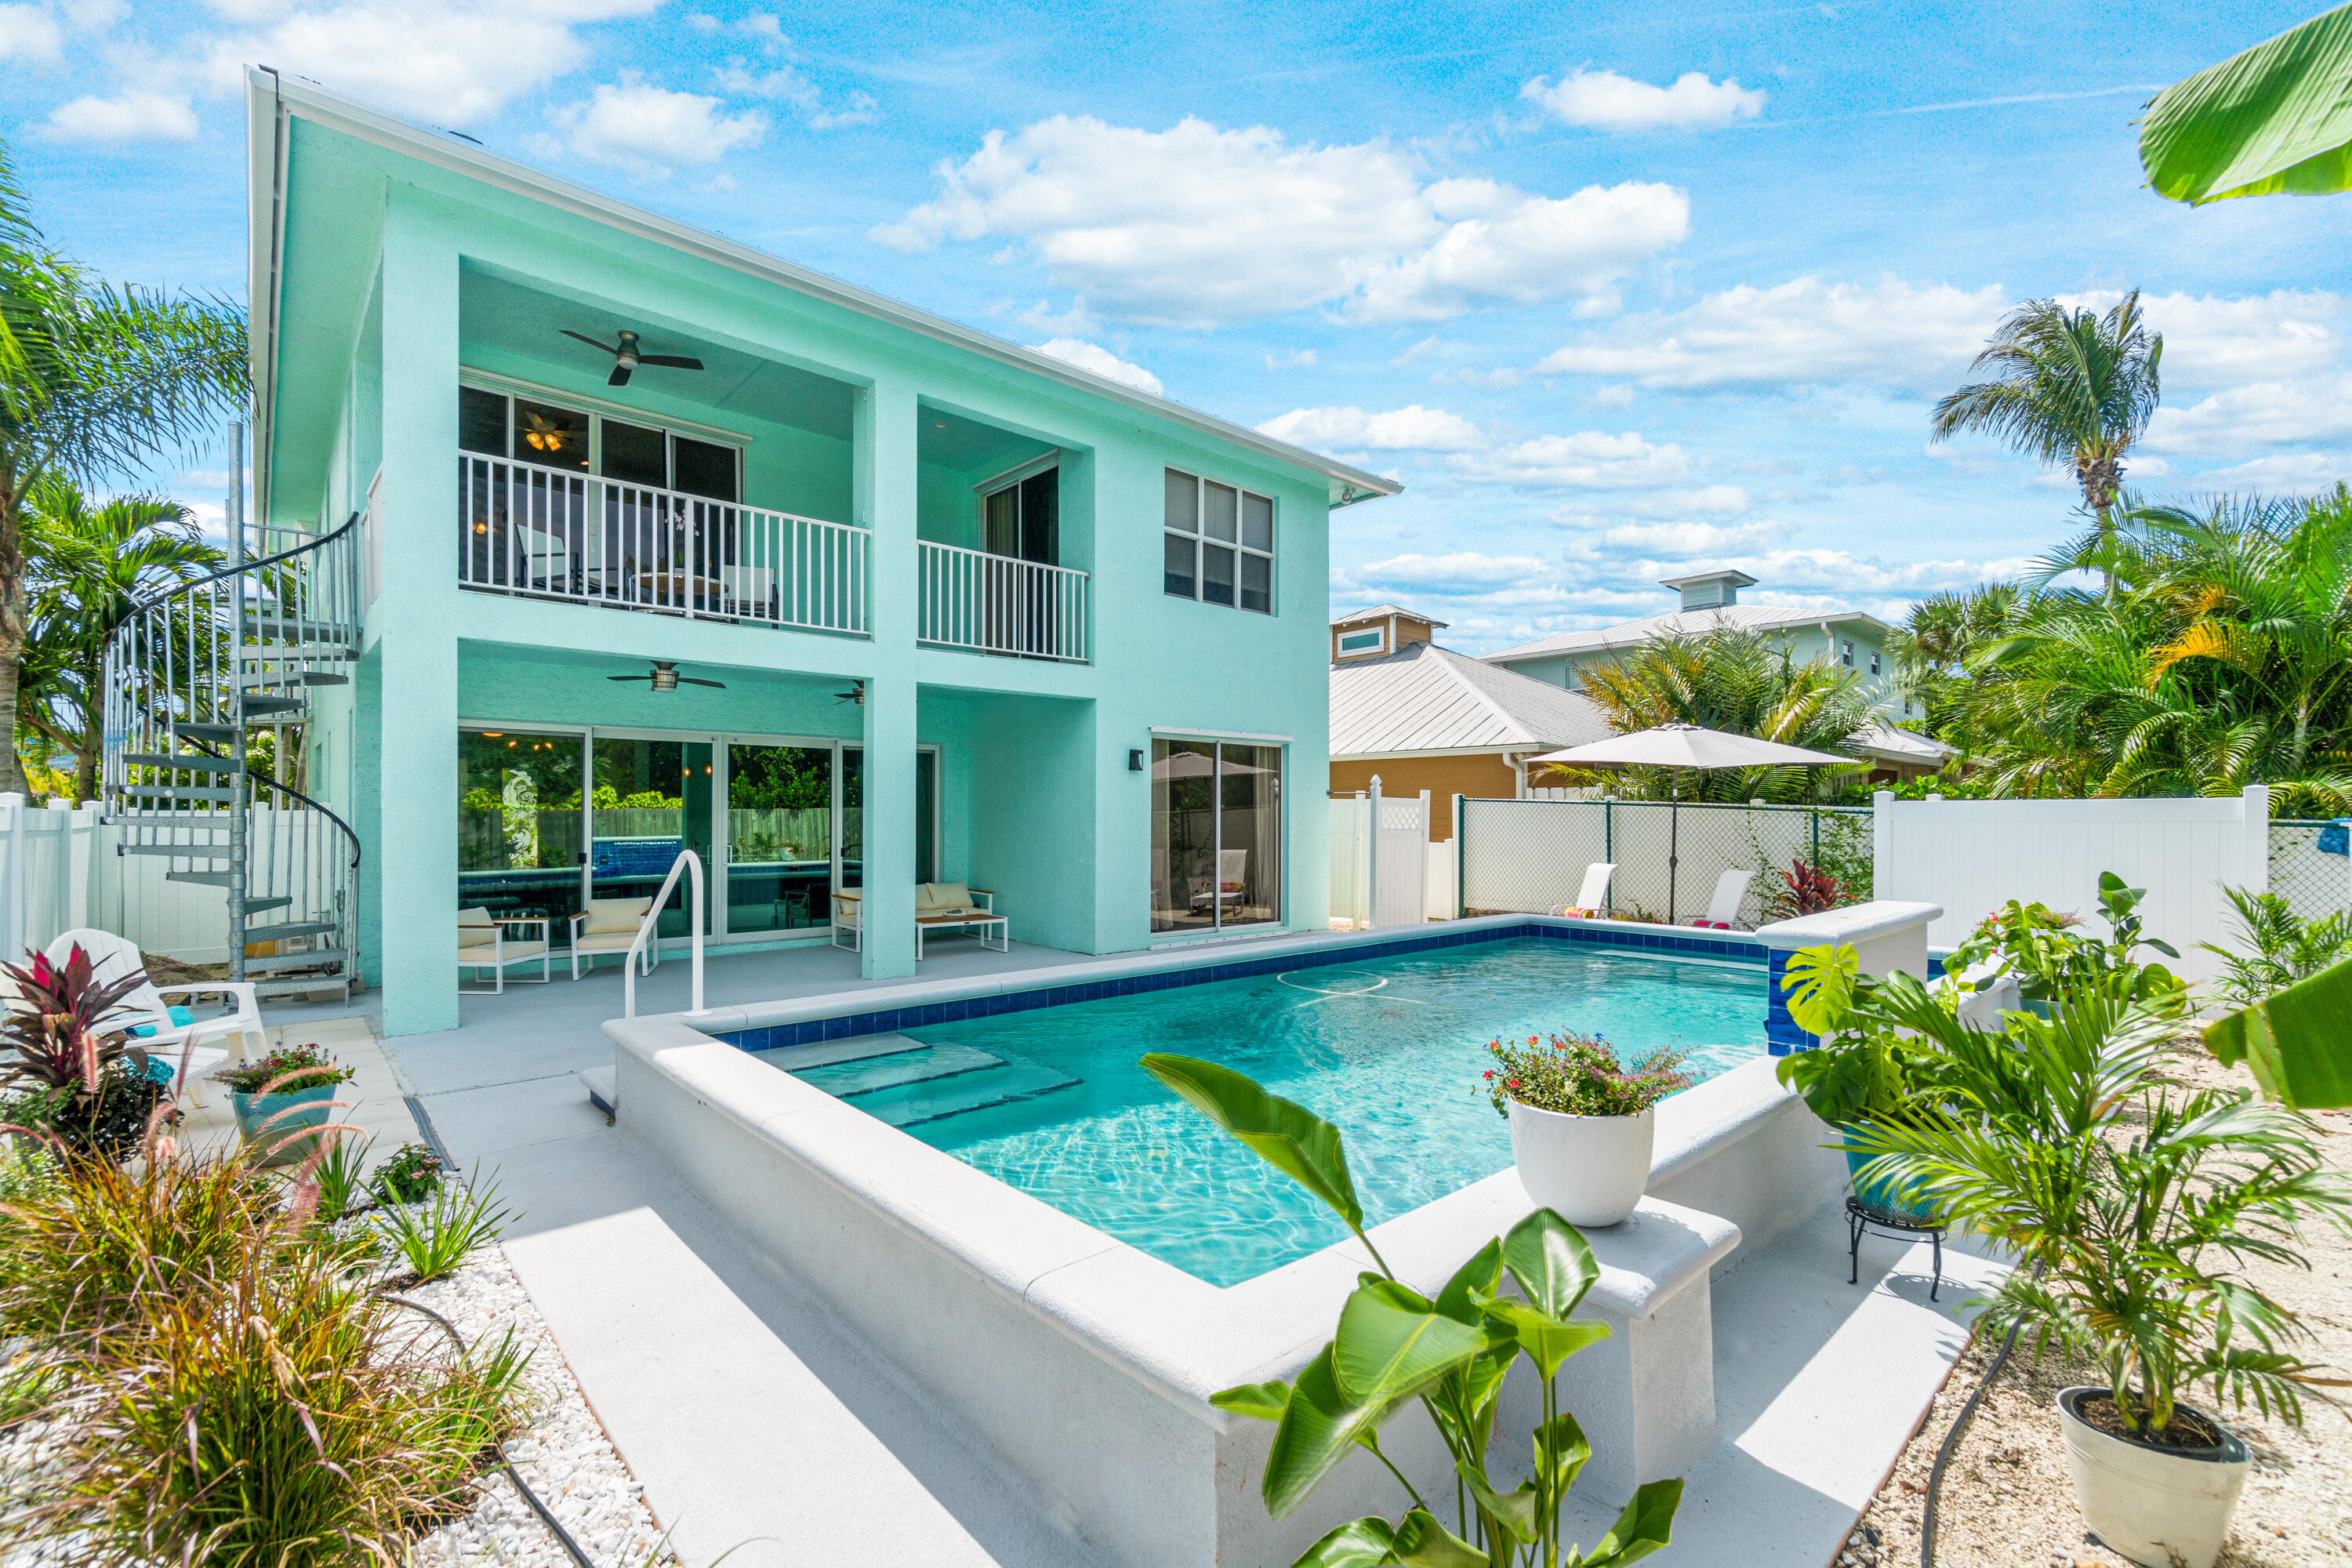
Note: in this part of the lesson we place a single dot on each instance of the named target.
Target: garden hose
(506, 1464)
(1952, 1440)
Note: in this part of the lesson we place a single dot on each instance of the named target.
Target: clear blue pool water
(1391, 1051)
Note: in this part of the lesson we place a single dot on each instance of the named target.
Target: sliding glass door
(779, 837)
(518, 827)
(653, 798)
(1216, 836)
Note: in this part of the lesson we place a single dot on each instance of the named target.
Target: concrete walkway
(752, 1414)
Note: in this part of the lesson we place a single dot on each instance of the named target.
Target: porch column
(886, 430)
(415, 849)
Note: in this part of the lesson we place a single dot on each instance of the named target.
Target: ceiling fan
(665, 677)
(628, 356)
(856, 693)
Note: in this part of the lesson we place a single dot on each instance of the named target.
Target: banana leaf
(2274, 118)
(2298, 1043)
(1282, 1132)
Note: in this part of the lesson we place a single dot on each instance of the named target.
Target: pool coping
(808, 1020)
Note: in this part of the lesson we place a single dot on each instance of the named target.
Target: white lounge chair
(610, 925)
(1730, 892)
(1231, 885)
(1592, 897)
(482, 945)
(237, 1034)
(939, 906)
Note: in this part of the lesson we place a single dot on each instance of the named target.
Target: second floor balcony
(558, 533)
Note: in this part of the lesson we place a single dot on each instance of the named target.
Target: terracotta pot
(2156, 1506)
(1588, 1170)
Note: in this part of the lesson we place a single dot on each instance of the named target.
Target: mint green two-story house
(601, 537)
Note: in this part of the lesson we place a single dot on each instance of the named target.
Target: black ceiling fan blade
(692, 680)
(675, 362)
(592, 343)
(628, 678)
(620, 377)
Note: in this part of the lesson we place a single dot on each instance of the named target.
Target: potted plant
(77, 1078)
(1581, 1125)
(282, 1098)
(1862, 1071)
(2131, 1241)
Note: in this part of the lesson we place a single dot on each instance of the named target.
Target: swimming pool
(1389, 1049)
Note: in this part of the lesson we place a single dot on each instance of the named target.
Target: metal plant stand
(1860, 1219)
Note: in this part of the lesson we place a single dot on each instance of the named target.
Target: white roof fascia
(1502, 751)
(266, 90)
(1610, 644)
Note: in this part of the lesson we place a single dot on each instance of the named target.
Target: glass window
(1216, 836)
(1179, 554)
(1216, 574)
(635, 456)
(652, 799)
(1874, 663)
(779, 837)
(1183, 502)
(482, 421)
(557, 438)
(518, 828)
(1359, 642)
(702, 468)
(1003, 510)
(1257, 583)
(1220, 512)
(1847, 658)
(1257, 523)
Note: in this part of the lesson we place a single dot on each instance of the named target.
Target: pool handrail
(687, 860)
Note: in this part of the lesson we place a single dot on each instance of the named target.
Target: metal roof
(1882, 738)
(1679, 623)
(1382, 611)
(270, 98)
(1424, 699)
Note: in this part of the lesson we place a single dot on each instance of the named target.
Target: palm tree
(1731, 679)
(97, 381)
(87, 567)
(1931, 647)
(2073, 386)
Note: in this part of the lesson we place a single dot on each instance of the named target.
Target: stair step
(857, 1049)
(847, 1081)
(213, 851)
(305, 985)
(270, 707)
(300, 640)
(188, 761)
(181, 791)
(256, 680)
(218, 735)
(325, 955)
(911, 1104)
(293, 929)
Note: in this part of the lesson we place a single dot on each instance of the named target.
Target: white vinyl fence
(1413, 879)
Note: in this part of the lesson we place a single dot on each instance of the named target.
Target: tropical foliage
(1734, 679)
(2276, 946)
(2276, 118)
(2222, 658)
(1449, 1354)
(97, 381)
(1930, 650)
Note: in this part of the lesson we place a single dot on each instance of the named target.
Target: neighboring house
(856, 599)
(1851, 639)
(1425, 717)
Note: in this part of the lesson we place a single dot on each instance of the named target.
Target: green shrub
(2280, 947)
(413, 1171)
(435, 1238)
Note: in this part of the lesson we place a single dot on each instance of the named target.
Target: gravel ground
(2006, 1500)
(562, 1450)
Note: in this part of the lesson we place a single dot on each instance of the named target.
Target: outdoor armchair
(610, 925)
(482, 945)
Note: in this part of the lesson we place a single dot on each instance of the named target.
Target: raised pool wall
(1084, 1366)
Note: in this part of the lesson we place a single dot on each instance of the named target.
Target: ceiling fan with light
(665, 677)
(627, 356)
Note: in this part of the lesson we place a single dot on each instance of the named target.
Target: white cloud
(2249, 418)
(1102, 362)
(1591, 459)
(1196, 226)
(647, 128)
(127, 117)
(1890, 333)
(1410, 428)
(1689, 538)
(1603, 101)
(455, 62)
(786, 84)
(1297, 359)
(28, 33)
(2210, 342)
(2281, 471)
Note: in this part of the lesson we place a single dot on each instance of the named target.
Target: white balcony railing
(553, 534)
(995, 604)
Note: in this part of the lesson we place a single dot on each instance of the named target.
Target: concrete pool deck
(748, 1410)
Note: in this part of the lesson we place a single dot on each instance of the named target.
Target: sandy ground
(2006, 1500)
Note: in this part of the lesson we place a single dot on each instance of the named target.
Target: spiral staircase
(195, 676)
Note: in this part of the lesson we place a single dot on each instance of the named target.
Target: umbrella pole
(1674, 844)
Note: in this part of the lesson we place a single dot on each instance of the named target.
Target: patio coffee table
(1004, 942)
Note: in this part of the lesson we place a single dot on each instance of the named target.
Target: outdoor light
(1135, 760)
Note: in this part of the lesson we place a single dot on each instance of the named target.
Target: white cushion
(607, 916)
(485, 952)
(606, 942)
(475, 916)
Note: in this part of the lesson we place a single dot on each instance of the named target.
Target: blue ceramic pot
(1878, 1195)
(295, 1114)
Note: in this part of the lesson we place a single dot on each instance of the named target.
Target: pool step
(909, 1104)
(870, 1075)
(858, 1048)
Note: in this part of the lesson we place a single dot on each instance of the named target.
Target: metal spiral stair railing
(193, 674)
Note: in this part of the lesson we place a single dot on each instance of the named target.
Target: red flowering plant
(70, 1060)
(288, 1070)
(1579, 1075)
(1805, 890)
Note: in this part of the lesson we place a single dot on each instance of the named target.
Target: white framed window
(1218, 543)
(555, 431)
(1873, 662)
(1363, 642)
(1846, 653)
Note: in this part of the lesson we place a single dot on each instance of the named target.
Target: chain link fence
(2309, 866)
(1528, 857)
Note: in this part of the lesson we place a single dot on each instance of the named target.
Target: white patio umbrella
(1195, 765)
(1680, 746)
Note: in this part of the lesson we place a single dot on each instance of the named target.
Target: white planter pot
(1589, 1170)
(2156, 1506)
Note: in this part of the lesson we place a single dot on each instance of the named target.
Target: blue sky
(1615, 298)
